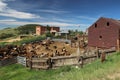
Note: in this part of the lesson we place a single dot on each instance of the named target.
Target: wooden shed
(104, 33)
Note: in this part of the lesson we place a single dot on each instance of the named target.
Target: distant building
(63, 32)
(43, 29)
(104, 33)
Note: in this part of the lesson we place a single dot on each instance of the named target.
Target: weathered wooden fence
(39, 63)
(8, 61)
(63, 61)
(22, 60)
(62, 40)
(55, 62)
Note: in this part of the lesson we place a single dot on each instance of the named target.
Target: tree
(26, 29)
(6, 35)
(48, 34)
(48, 28)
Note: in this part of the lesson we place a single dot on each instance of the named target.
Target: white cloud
(6, 11)
(61, 20)
(86, 17)
(2, 6)
(61, 24)
(58, 24)
(7, 20)
(53, 11)
(7, 0)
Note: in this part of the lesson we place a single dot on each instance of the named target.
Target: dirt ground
(11, 40)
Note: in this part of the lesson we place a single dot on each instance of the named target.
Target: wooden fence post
(49, 62)
(97, 53)
(31, 63)
(81, 61)
(118, 45)
(103, 56)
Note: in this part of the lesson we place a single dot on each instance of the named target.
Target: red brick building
(42, 30)
(104, 33)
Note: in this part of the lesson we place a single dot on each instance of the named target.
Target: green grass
(25, 40)
(28, 40)
(94, 71)
(8, 30)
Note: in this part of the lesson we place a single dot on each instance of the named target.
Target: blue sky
(68, 14)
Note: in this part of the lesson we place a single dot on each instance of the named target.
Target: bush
(6, 35)
(28, 40)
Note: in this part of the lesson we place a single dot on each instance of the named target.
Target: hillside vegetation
(27, 29)
(8, 32)
(109, 70)
(13, 32)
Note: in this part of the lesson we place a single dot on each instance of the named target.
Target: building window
(95, 25)
(108, 23)
(100, 37)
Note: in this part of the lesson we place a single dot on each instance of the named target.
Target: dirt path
(115, 76)
(11, 40)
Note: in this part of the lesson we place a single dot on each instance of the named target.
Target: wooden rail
(8, 61)
(55, 62)
(38, 63)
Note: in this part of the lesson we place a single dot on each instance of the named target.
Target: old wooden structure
(8, 61)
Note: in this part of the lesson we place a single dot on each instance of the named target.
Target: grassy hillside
(109, 70)
(8, 30)
(13, 32)
(27, 29)
(25, 40)
(8, 33)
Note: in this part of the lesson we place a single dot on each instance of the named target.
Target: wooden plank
(21, 60)
(0, 63)
(88, 57)
(63, 57)
(40, 58)
(39, 61)
(8, 61)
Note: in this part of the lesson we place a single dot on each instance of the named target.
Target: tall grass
(94, 71)
(29, 39)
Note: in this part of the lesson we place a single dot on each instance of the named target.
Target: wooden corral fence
(39, 63)
(8, 61)
(21, 60)
(63, 61)
(113, 49)
(55, 62)
(62, 40)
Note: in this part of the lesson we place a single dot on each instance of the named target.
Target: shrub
(6, 35)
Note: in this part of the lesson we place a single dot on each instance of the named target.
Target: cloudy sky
(68, 14)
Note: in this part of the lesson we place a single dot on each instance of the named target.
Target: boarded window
(108, 23)
(100, 37)
(95, 25)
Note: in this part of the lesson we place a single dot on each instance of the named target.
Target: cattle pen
(56, 62)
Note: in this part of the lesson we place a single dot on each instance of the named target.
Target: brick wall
(102, 35)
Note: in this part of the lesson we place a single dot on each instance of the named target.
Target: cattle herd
(45, 48)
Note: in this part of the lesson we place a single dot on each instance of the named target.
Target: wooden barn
(104, 33)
